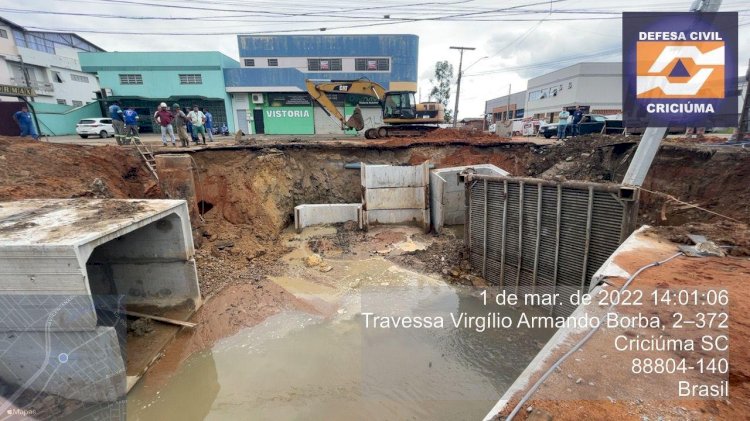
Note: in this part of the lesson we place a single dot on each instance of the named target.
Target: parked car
(590, 123)
(95, 126)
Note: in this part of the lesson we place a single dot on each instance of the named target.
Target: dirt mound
(585, 158)
(735, 236)
(33, 169)
(446, 136)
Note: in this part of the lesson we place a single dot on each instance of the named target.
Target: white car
(95, 126)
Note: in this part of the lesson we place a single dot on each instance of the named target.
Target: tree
(441, 86)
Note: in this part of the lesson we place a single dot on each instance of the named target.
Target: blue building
(145, 79)
(268, 89)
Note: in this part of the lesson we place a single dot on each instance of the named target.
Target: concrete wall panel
(379, 176)
(398, 216)
(396, 194)
(309, 215)
(396, 198)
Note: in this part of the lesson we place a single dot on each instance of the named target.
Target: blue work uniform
(131, 117)
(115, 112)
(26, 124)
(209, 120)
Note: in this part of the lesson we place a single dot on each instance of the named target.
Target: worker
(577, 116)
(131, 124)
(562, 124)
(25, 123)
(118, 122)
(209, 124)
(198, 119)
(164, 117)
(180, 121)
(224, 129)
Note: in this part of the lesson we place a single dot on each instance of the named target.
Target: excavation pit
(319, 358)
(247, 256)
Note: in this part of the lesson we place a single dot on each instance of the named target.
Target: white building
(597, 86)
(506, 107)
(48, 62)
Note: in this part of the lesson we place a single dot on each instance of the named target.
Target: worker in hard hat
(164, 117)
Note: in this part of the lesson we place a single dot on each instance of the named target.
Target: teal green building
(145, 79)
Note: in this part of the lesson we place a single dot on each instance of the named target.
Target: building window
(249, 62)
(79, 78)
(58, 77)
(78, 103)
(3, 33)
(273, 62)
(134, 79)
(62, 102)
(372, 64)
(191, 79)
(324, 64)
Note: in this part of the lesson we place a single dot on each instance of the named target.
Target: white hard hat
(163, 105)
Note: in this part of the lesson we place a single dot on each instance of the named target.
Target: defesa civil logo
(680, 69)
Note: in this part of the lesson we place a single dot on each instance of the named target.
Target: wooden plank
(161, 319)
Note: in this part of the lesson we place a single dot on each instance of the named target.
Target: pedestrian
(131, 124)
(198, 119)
(577, 116)
(562, 125)
(224, 129)
(25, 123)
(180, 121)
(118, 122)
(189, 128)
(209, 124)
(164, 117)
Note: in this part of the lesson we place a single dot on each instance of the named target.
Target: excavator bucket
(356, 121)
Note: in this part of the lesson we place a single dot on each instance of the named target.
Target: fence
(536, 236)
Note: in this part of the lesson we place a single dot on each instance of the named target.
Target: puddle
(300, 366)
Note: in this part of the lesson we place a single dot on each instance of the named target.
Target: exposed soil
(735, 236)
(443, 135)
(581, 400)
(252, 193)
(32, 169)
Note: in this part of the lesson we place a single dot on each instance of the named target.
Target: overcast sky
(519, 38)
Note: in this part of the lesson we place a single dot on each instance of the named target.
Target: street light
(469, 66)
(458, 82)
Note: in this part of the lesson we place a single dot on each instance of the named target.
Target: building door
(8, 126)
(242, 121)
(258, 118)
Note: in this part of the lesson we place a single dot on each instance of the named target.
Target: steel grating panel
(529, 235)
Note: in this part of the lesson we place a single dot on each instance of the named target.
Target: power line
(547, 64)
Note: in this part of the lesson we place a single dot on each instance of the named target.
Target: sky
(514, 40)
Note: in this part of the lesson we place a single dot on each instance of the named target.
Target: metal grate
(536, 236)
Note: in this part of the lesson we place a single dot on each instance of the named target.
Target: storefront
(268, 89)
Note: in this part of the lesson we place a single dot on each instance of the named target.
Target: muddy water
(300, 366)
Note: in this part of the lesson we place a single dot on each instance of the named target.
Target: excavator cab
(399, 105)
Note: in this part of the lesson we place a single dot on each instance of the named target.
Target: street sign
(10, 90)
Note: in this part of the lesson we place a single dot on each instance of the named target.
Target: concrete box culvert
(59, 260)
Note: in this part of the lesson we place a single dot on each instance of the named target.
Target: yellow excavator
(401, 113)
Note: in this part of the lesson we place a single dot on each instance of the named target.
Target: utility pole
(458, 81)
(507, 109)
(742, 127)
(652, 136)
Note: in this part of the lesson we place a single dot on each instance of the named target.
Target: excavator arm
(320, 91)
